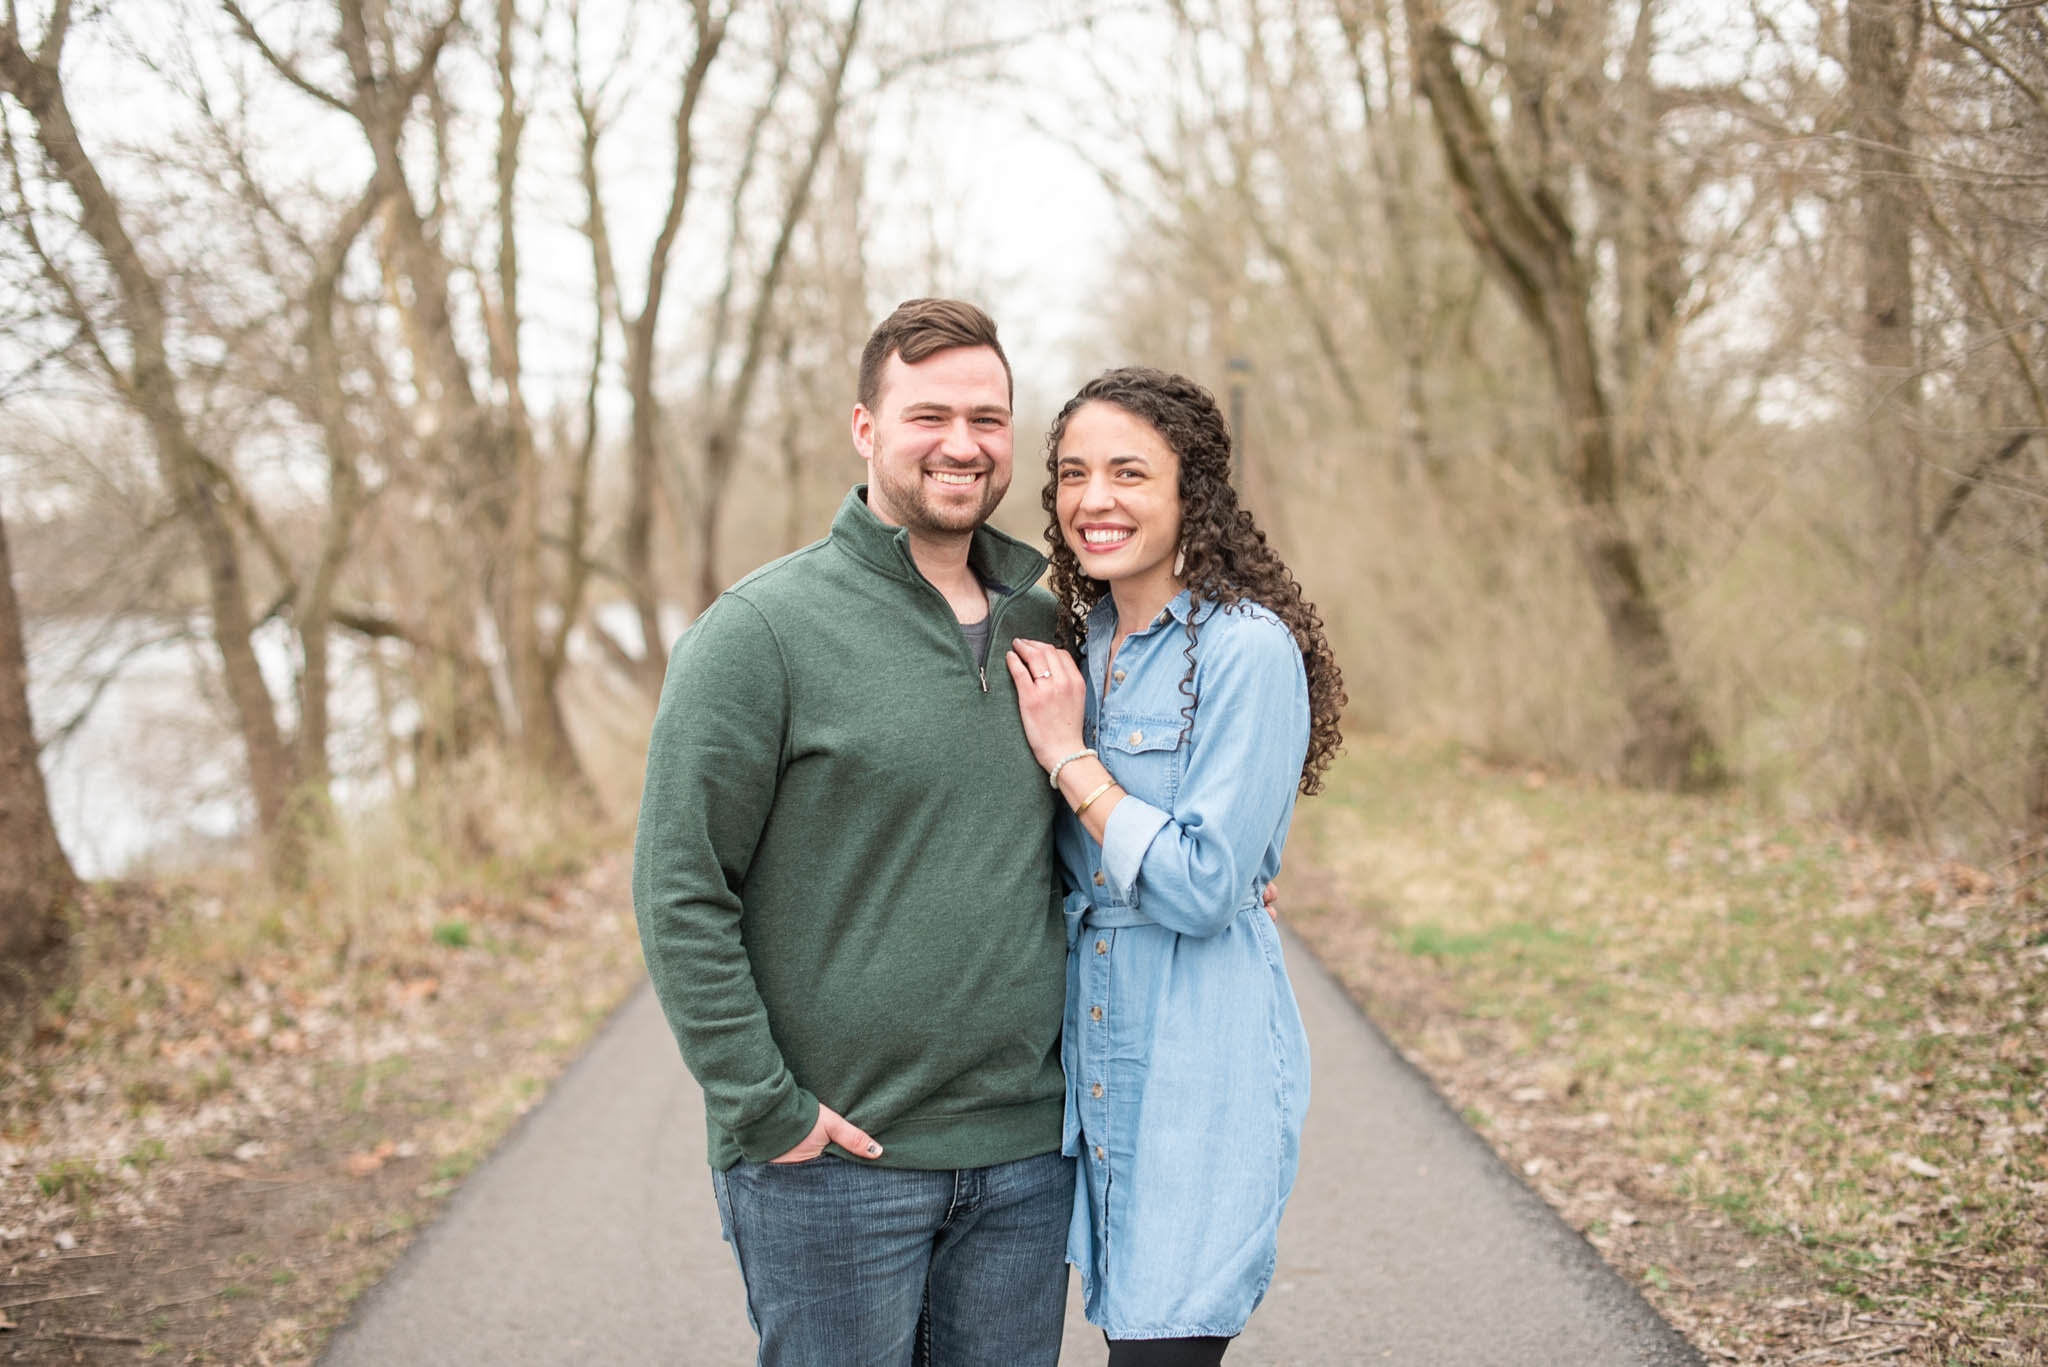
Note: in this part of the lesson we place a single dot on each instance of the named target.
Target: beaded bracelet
(1078, 754)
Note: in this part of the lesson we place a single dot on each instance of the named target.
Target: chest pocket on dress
(1144, 754)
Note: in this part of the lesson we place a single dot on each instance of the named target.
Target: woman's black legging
(1166, 1352)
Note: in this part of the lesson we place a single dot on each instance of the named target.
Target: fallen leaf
(363, 1164)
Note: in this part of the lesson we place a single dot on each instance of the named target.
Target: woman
(1210, 698)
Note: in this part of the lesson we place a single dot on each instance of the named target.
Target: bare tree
(1881, 59)
(741, 330)
(642, 327)
(1950, 112)
(751, 351)
(1386, 105)
(325, 400)
(1517, 222)
(142, 373)
(483, 447)
(534, 670)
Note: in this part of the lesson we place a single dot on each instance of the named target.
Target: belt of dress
(1118, 915)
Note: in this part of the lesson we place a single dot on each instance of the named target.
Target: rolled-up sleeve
(1192, 869)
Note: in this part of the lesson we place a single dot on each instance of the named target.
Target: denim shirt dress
(1186, 1064)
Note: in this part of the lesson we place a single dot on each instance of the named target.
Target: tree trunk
(1898, 753)
(1406, 328)
(326, 402)
(1526, 242)
(35, 878)
(641, 340)
(543, 738)
(2037, 764)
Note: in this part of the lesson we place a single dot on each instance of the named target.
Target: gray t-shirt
(977, 634)
(977, 640)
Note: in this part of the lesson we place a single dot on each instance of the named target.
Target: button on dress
(1186, 1064)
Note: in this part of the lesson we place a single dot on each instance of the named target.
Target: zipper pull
(982, 670)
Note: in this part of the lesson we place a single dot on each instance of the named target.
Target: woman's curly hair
(1227, 559)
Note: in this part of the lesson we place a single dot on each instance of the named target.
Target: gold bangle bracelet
(1087, 801)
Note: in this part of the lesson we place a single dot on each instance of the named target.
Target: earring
(1180, 562)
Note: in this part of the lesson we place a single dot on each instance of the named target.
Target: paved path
(590, 1237)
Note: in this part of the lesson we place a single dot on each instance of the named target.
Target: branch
(72, 305)
(53, 35)
(1975, 45)
(100, 685)
(278, 62)
(224, 480)
(2006, 330)
(379, 626)
(1515, 235)
(590, 114)
(721, 306)
(410, 83)
(235, 150)
(940, 56)
(1298, 283)
(1967, 484)
(710, 34)
(628, 664)
(603, 569)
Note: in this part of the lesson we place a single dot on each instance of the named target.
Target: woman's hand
(1052, 697)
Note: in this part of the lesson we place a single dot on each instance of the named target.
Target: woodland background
(1649, 389)
(1650, 392)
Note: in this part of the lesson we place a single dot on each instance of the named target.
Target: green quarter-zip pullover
(843, 873)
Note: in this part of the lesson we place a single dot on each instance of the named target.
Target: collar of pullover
(1001, 561)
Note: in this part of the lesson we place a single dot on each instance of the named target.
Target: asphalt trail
(590, 1236)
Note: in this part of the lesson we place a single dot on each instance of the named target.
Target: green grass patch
(145, 1155)
(77, 1180)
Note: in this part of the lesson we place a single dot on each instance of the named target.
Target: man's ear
(863, 432)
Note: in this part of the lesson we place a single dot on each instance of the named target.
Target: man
(844, 884)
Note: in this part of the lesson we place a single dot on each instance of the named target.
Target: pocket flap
(1137, 735)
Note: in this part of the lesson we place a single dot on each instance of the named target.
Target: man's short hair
(917, 329)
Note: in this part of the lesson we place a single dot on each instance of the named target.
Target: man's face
(938, 441)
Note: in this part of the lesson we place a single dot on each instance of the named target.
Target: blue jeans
(849, 1265)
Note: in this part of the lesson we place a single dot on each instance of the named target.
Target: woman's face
(1118, 497)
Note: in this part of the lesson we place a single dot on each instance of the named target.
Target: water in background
(154, 772)
(153, 775)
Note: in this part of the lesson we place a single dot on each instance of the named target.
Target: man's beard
(912, 506)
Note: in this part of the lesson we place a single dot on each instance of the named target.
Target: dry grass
(229, 1110)
(1822, 1057)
